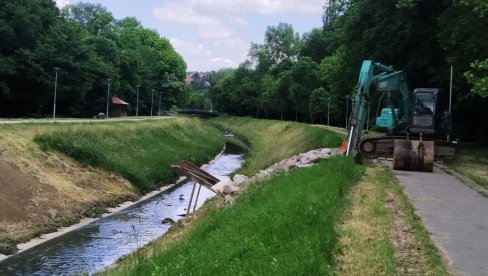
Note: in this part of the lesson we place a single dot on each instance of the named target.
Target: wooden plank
(198, 175)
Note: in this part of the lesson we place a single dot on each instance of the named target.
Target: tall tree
(305, 78)
(22, 25)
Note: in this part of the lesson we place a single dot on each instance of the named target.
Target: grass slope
(140, 152)
(272, 141)
(283, 226)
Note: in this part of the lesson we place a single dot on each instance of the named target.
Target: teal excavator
(418, 129)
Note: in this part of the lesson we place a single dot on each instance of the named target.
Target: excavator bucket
(413, 155)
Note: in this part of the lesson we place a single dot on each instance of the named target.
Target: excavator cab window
(424, 104)
(424, 108)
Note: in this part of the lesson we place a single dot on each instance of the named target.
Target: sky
(215, 34)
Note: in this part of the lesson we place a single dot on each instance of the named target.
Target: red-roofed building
(189, 79)
(120, 103)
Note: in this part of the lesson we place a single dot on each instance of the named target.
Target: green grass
(473, 163)
(272, 141)
(366, 247)
(142, 152)
(283, 226)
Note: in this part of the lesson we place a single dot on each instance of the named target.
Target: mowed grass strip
(380, 233)
(142, 152)
(272, 141)
(282, 226)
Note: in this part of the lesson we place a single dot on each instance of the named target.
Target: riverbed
(100, 243)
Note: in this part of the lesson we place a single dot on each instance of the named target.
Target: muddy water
(99, 244)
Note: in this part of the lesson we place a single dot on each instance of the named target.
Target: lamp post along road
(451, 61)
(55, 91)
(137, 101)
(328, 108)
(347, 109)
(159, 106)
(108, 94)
(152, 99)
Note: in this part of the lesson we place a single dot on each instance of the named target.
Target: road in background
(74, 120)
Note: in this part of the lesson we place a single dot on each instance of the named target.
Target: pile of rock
(230, 188)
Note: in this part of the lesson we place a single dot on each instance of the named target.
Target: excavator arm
(387, 79)
(359, 107)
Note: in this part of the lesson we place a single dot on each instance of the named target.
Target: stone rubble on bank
(230, 188)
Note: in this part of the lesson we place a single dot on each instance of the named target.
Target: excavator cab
(424, 111)
(418, 154)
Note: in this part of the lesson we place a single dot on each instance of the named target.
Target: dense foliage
(311, 78)
(140, 152)
(89, 47)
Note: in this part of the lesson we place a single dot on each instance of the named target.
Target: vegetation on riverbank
(282, 226)
(46, 189)
(272, 141)
(141, 152)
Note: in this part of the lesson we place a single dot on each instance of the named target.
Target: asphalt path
(76, 120)
(454, 214)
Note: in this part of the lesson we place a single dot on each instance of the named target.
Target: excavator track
(374, 147)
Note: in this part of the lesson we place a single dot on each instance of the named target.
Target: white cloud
(260, 6)
(62, 3)
(213, 18)
(199, 57)
(216, 25)
(181, 14)
(223, 60)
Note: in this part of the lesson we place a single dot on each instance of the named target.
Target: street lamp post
(152, 99)
(347, 110)
(55, 91)
(137, 101)
(159, 106)
(108, 94)
(328, 107)
(450, 61)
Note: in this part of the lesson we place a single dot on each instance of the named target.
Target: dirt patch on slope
(23, 198)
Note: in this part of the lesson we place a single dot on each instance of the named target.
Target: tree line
(88, 48)
(311, 78)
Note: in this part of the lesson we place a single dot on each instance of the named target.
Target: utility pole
(328, 108)
(108, 94)
(55, 91)
(152, 99)
(137, 101)
(450, 61)
(347, 110)
(159, 112)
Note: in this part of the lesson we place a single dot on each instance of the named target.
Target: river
(100, 243)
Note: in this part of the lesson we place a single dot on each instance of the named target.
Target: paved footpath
(454, 214)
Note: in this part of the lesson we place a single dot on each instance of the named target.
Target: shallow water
(100, 243)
